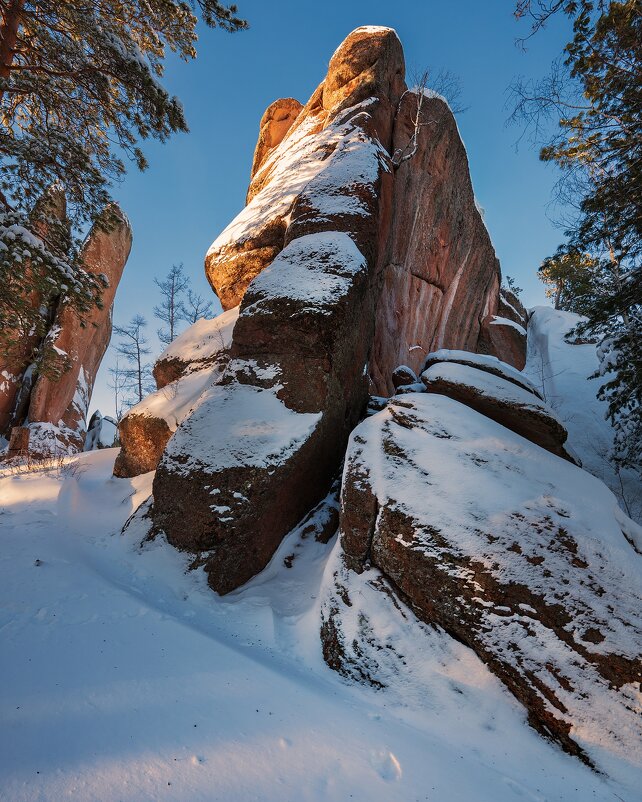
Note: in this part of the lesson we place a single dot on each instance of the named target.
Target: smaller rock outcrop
(62, 404)
(196, 360)
(483, 362)
(53, 407)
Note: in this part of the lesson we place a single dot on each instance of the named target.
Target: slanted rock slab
(512, 551)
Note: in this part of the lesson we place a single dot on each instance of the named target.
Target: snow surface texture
(561, 370)
(238, 425)
(125, 679)
(204, 339)
(197, 347)
(452, 470)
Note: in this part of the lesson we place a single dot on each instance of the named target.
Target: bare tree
(195, 307)
(445, 85)
(117, 383)
(172, 288)
(133, 348)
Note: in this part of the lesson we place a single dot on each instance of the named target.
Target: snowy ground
(122, 677)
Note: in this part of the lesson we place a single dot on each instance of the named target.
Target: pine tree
(80, 87)
(595, 96)
(170, 309)
(572, 279)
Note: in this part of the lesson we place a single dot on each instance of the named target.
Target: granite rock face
(441, 275)
(54, 411)
(344, 265)
(514, 552)
(63, 403)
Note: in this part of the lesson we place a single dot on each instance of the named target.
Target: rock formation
(514, 552)
(197, 359)
(344, 266)
(16, 371)
(54, 411)
(361, 285)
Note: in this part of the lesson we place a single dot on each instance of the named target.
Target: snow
(314, 270)
(238, 425)
(484, 362)
(125, 679)
(486, 384)
(504, 321)
(203, 339)
(562, 371)
(173, 402)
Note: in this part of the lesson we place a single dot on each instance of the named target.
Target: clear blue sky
(196, 183)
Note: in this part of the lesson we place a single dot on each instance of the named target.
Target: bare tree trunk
(140, 372)
(9, 37)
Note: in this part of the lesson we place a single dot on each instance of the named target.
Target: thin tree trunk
(9, 37)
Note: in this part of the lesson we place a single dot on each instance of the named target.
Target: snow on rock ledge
(514, 552)
(500, 400)
(196, 360)
(485, 362)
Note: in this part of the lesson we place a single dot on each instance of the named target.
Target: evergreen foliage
(595, 95)
(80, 88)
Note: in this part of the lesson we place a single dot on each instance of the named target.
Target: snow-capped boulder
(500, 400)
(200, 346)
(514, 552)
(402, 374)
(485, 362)
(102, 432)
(196, 360)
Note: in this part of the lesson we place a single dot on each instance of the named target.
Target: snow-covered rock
(518, 554)
(196, 360)
(196, 348)
(484, 362)
(501, 400)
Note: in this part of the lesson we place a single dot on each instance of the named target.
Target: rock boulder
(512, 551)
